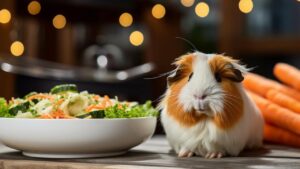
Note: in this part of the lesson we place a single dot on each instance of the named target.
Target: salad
(65, 102)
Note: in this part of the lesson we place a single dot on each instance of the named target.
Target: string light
(125, 19)
(158, 11)
(17, 48)
(202, 9)
(136, 38)
(34, 7)
(5, 16)
(246, 6)
(187, 3)
(59, 21)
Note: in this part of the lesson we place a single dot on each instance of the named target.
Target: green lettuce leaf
(144, 110)
(4, 108)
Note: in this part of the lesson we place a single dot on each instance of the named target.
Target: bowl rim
(76, 119)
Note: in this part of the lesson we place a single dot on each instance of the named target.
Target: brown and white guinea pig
(205, 110)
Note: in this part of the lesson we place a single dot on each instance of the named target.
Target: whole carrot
(283, 100)
(258, 100)
(288, 74)
(277, 115)
(280, 136)
(261, 85)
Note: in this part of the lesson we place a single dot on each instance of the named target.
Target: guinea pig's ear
(233, 72)
(174, 76)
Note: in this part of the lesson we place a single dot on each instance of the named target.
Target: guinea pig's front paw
(185, 153)
(211, 155)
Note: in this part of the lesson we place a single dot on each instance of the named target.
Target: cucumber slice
(23, 107)
(82, 116)
(64, 88)
(97, 114)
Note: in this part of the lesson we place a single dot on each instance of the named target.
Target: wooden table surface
(156, 153)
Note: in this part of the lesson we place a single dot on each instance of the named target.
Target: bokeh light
(34, 7)
(59, 21)
(136, 38)
(187, 3)
(202, 9)
(246, 6)
(5, 16)
(17, 48)
(125, 19)
(158, 11)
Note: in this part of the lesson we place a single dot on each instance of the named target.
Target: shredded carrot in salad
(59, 102)
(96, 97)
(46, 116)
(106, 102)
(94, 107)
(40, 96)
(58, 114)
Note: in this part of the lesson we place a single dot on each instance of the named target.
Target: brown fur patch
(175, 109)
(233, 106)
(184, 68)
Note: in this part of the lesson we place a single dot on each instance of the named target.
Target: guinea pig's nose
(200, 97)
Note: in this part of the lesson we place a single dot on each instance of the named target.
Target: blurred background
(114, 47)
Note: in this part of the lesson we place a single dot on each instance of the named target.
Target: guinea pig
(206, 111)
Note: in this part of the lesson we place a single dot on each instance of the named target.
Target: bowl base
(61, 155)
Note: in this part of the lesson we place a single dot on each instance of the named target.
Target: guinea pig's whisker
(228, 94)
(231, 98)
(230, 105)
(217, 92)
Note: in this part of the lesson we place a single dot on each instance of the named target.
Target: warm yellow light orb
(202, 9)
(5, 16)
(158, 11)
(246, 6)
(136, 38)
(125, 19)
(17, 48)
(34, 7)
(59, 21)
(187, 3)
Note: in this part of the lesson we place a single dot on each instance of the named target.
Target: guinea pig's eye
(190, 76)
(218, 77)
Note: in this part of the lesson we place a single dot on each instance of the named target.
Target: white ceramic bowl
(75, 138)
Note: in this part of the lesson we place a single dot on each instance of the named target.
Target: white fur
(205, 137)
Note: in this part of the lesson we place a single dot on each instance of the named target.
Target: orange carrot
(46, 116)
(258, 100)
(288, 74)
(59, 102)
(277, 115)
(96, 97)
(94, 107)
(261, 86)
(58, 114)
(40, 96)
(106, 102)
(283, 100)
(277, 135)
